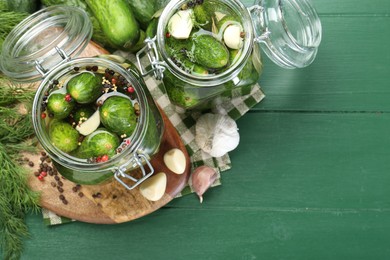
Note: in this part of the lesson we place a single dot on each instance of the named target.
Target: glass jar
(288, 31)
(41, 46)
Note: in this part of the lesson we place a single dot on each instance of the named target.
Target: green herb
(16, 199)
(8, 21)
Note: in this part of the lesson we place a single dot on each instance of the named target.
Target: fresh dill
(16, 198)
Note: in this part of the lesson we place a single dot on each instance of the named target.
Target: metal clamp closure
(65, 58)
(157, 67)
(136, 160)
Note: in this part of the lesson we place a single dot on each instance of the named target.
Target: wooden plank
(312, 160)
(220, 234)
(351, 71)
(349, 7)
(346, 7)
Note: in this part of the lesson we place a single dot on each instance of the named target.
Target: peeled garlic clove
(232, 37)
(154, 188)
(180, 24)
(175, 160)
(202, 178)
(90, 125)
(216, 134)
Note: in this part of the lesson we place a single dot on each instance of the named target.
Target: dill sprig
(16, 198)
(14, 127)
(8, 21)
(11, 92)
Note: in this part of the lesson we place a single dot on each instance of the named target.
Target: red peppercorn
(128, 141)
(43, 115)
(104, 158)
(68, 98)
(99, 159)
(168, 35)
(44, 174)
(40, 177)
(130, 89)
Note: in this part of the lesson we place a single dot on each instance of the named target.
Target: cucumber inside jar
(91, 113)
(201, 36)
(205, 42)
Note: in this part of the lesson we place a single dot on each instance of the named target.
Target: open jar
(205, 48)
(93, 116)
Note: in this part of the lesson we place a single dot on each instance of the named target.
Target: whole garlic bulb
(216, 134)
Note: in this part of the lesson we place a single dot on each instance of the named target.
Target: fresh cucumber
(97, 34)
(143, 10)
(117, 22)
(140, 43)
(28, 6)
(151, 30)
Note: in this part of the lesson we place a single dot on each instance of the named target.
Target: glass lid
(43, 40)
(288, 30)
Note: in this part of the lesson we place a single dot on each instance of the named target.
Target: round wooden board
(111, 202)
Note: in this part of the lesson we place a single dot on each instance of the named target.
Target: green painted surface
(310, 178)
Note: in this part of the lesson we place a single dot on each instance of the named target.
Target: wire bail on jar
(157, 66)
(65, 58)
(136, 160)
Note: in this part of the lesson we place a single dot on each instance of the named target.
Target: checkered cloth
(242, 100)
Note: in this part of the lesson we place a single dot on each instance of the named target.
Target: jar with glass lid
(93, 116)
(205, 48)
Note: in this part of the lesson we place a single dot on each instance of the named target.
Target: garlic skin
(202, 178)
(216, 134)
(232, 37)
(181, 23)
(219, 15)
(175, 160)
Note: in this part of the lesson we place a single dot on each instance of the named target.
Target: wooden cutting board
(110, 202)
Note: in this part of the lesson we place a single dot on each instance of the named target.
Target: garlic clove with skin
(202, 178)
(216, 134)
(181, 23)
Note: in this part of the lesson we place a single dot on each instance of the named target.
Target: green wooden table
(310, 178)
